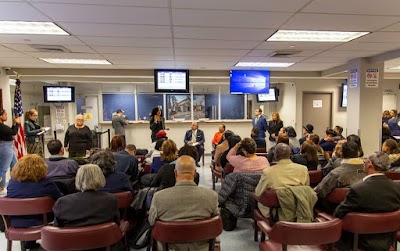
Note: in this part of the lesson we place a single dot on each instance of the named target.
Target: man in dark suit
(260, 122)
(127, 162)
(195, 137)
(376, 194)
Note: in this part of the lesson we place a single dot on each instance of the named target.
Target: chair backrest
(80, 238)
(337, 195)
(262, 155)
(228, 168)
(187, 231)
(372, 223)
(317, 233)
(26, 206)
(393, 175)
(269, 199)
(315, 177)
(124, 199)
(261, 150)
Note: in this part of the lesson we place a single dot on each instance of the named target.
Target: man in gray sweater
(119, 121)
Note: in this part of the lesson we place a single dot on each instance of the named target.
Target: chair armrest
(322, 217)
(123, 226)
(264, 227)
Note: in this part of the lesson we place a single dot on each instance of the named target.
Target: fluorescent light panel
(38, 28)
(264, 64)
(74, 61)
(315, 36)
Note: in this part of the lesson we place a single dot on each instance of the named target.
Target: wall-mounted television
(271, 96)
(171, 81)
(59, 94)
(343, 100)
(249, 82)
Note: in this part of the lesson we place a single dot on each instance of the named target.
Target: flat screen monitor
(271, 96)
(171, 81)
(343, 102)
(59, 94)
(249, 82)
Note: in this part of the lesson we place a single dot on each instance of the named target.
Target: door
(389, 102)
(317, 111)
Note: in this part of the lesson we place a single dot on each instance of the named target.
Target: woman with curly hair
(115, 181)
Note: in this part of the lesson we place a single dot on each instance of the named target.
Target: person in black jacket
(376, 194)
(274, 126)
(157, 122)
(34, 142)
(78, 138)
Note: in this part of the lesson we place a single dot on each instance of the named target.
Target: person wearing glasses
(78, 138)
(34, 143)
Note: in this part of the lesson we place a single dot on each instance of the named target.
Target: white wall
(6, 90)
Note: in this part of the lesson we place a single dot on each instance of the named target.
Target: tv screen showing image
(343, 102)
(271, 96)
(59, 94)
(171, 81)
(249, 82)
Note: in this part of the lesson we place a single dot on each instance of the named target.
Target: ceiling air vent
(49, 48)
(283, 54)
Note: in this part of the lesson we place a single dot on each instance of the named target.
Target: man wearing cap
(307, 129)
(375, 194)
(195, 137)
(119, 122)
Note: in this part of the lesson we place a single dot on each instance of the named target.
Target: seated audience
(126, 161)
(165, 177)
(117, 144)
(221, 148)
(385, 117)
(387, 134)
(347, 174)
(157, 151)
(307, 129)
(232, 141)
(336, 159)
(168, 155)
(375, 194)
(328, 143)
(282, 138)
(161, 135)
(338, 130)
(218, 136)
(57, 164)
(393, 125)
(357, 140)
(195, 137)
(293, 141)
(260, 142)
(184, 202)
(89, 206)
(115, 181)
(308, 156)
(391, 148)
(282, 175)
(250, 162)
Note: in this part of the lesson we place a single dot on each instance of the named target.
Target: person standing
(119, 121)
(78, 138)
(260, 122)
(157, 122)
(7, 154)
(34, 143)
(274, 126)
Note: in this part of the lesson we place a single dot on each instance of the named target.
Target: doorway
(317, 110)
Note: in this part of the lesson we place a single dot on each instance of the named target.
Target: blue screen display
(249, 82)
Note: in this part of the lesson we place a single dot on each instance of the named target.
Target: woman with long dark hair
(157, 122)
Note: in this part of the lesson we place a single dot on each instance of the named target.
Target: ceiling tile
(214, 44)
(365, 7)
(334, 22)
(223, 33)
(138, 57)
(381, 37)
(265, 53)
(134, 42)
(15, 11)
(141, 3)
(12, 54)
(65, 55)
(325, 59)
(207, 58)
(249, 5)
(234, 19)
(394, 27)
(116, 30)
(368, 46)
(296, 46)
(133, 50)
(134, 62)
(348, 54)
(273, 59)
(105, 14)
(39, 39)
(215, 52)
(5, 49)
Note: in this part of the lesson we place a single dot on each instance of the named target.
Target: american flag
(19, 139)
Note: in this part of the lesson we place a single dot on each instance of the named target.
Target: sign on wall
(371, 78)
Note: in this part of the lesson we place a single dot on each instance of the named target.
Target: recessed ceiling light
(263, 64)
(315, 36)
(74, 61)
(395, 68)
(40, 28)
